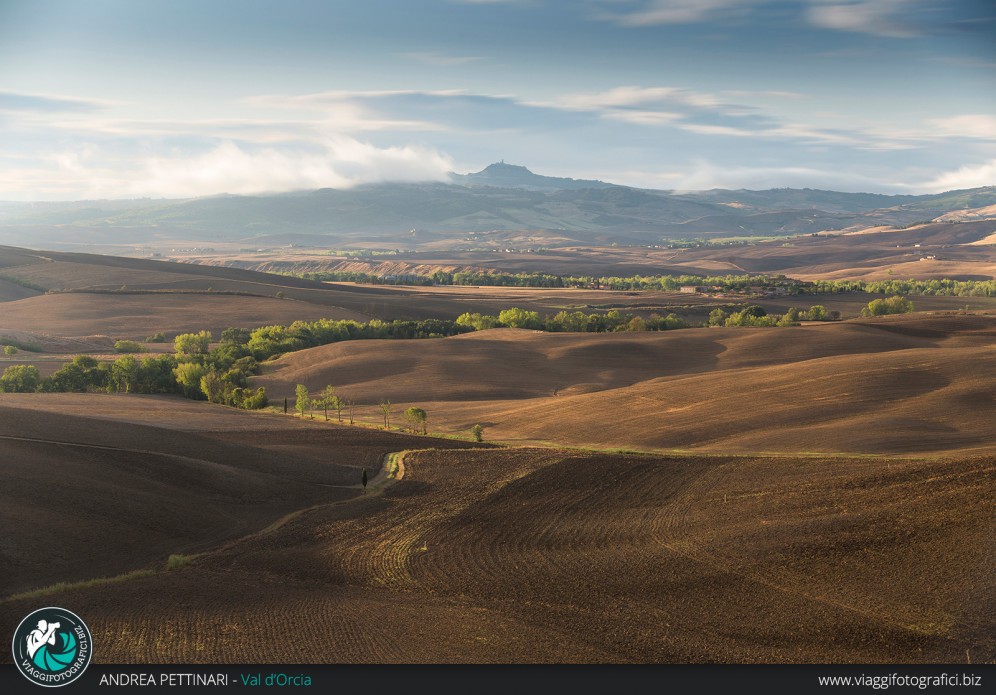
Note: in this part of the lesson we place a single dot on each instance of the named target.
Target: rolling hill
(540, 555)
(890, 385)
(136, 478)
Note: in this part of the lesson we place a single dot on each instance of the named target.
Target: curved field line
(674, 535)
(148, 452)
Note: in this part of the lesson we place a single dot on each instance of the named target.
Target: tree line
(570, 321)
(671, 283)
(328, 399)
(221, 375)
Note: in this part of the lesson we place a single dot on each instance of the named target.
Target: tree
(385, 408)
(416, 418)
(338, 404)
(124, 373)
(892, 305)
(84, 373)
(192, 344)
(520, 318)
(351, 405)
(363, 478)
(213, 388)
(20, 379)
(817, 312)
(717, 317)
(236, 336)
(9, 350)
(477, 321)
(188, 376)
(326, 399)
(303, 401)
(256, 400)
(478, 433)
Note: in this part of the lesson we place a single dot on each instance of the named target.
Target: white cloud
(878, 17)
(345, 162)
(970, 176)
(970, 125)
(633, 95)
(341, 162)
(671, 12)
(644, 117)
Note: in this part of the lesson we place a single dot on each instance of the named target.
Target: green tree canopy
(302, 400)
(520, 318)
(192, 344)
(20, 378)
(417, 419)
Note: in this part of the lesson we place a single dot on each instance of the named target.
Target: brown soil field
(63, 344)
(962, 249)
(133, 479)
(695, 307)
(897, 384)
(549, 556)
(59, 275)
(821, 493)
(177, 297)
(10, 291)
(136, 316)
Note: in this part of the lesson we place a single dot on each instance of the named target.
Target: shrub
(478, 433)
(9, 350)
(416, 418)
(817, 312)
(156, 338)
(175, 562)
(892, 305)
(128, 346)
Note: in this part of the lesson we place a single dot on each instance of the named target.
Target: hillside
(903, 384)
(502, 197)
(193, 474)
(542, 556)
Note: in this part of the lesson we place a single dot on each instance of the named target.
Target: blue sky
(129, 98)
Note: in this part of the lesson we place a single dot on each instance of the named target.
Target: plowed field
(537, 555)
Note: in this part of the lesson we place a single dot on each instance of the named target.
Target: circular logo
(52, 647)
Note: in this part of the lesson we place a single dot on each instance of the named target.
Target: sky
(135, 98)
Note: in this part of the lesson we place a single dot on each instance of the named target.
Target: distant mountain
(502, 175)
(501, 198)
